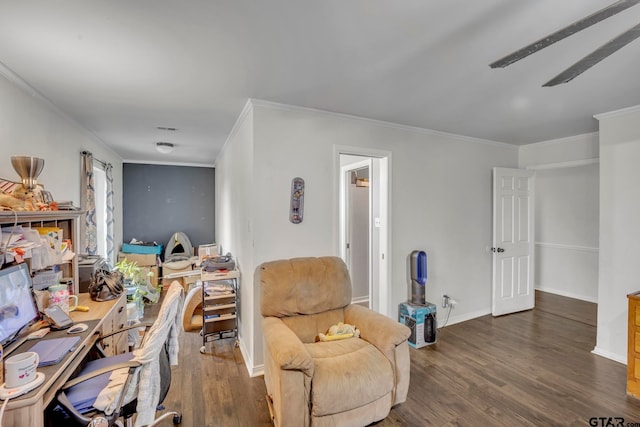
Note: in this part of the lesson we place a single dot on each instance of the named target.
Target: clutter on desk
(21, 375)
(106, 285)
(59, 295)
(52, 351)
(38, 334)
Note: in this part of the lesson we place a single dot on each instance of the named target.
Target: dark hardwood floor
(533, 368)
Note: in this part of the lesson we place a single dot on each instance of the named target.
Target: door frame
(345, 175)
(380, 261)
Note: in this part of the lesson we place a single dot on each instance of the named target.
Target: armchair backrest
(303, 286)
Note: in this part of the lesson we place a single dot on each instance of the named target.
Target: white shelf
(216, 275)
(218, 297)
(222, 304)
(221, 318)
(219, 307)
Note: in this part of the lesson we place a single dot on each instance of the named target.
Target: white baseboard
(258, 371)
(567, 294)
(609, 355)
(254, 371)
(453, 319)
(360, 300)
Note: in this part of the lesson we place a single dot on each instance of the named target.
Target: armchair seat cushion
(348, 374)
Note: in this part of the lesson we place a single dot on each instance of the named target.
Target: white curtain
(88, 202)
(111, 256)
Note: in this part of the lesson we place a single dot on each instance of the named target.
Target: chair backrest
(144, 383)
(165, 324)
(161, 342)
(303, 286)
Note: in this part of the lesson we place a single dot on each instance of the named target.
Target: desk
(28, 410)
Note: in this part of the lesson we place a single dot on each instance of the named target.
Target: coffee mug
(59, 295)
(20, 369)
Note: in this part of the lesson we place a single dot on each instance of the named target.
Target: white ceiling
(121, 68)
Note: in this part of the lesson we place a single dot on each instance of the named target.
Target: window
(100, 183)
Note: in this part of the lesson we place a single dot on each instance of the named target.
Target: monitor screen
(17, 306)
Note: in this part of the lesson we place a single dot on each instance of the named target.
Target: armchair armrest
(285, 347)
(379, 330)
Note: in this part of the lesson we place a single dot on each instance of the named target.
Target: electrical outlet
(445, 301)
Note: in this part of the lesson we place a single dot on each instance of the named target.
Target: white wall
(567, 207)
(235, 210)
(564, 152)
(30, 126)
(619, 228)
(441, 198)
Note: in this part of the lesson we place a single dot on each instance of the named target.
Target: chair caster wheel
(177, 419)
(203, 349)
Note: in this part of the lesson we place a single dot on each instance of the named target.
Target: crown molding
(153, 162)
(618, 113)
(19, 82)
(381, 123)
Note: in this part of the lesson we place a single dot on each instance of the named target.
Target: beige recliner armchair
(348, 382)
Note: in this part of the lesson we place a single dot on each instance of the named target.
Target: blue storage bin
(141, 249)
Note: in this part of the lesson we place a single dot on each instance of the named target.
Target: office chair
(120, 386)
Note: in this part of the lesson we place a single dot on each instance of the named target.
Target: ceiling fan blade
(596, 56)
(579, 25)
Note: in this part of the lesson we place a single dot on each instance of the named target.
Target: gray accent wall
(159, 200)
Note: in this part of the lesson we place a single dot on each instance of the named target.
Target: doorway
(357, 245)
(363, 200)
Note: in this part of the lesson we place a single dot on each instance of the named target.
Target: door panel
(513, 242)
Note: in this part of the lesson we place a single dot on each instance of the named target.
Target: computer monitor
(17, 305)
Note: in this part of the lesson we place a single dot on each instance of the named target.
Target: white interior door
(513, 240)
